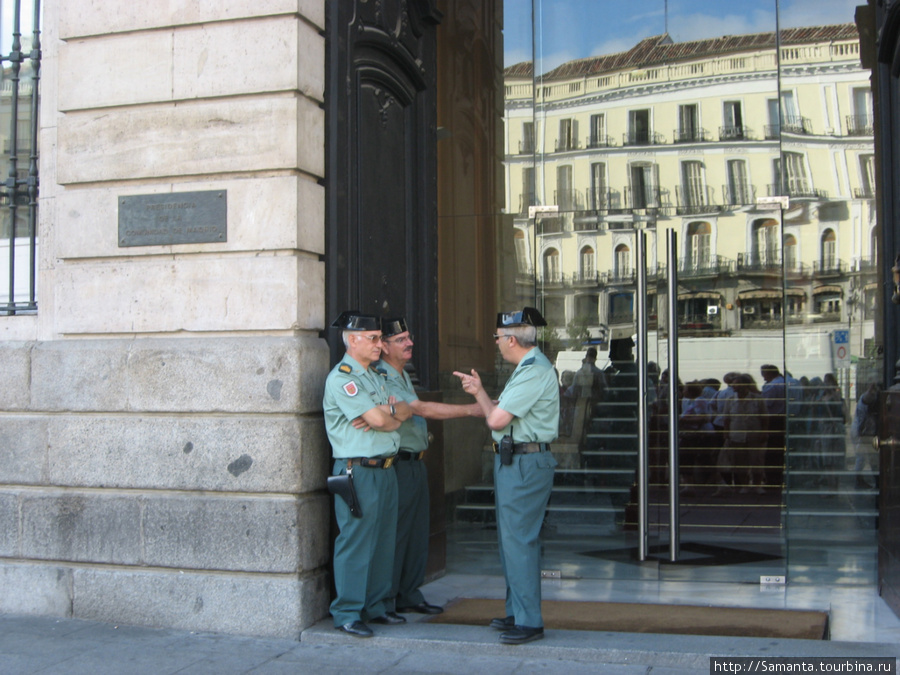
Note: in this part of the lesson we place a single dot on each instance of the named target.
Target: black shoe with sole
(356, 629)
(388, 619)
(521, 634)
(421, 608)
(504, 623)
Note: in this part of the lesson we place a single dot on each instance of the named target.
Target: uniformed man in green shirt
(411, 551)
(364, 549)
(523, 423)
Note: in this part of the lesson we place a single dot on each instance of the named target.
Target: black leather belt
(410, 456)
(525, 448)
(372, 462)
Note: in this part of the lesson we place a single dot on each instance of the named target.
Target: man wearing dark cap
(364, 549)
(523, 423)
(411, 551)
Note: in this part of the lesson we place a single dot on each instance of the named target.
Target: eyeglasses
(497, 336)
(399, 340)
(370, 338)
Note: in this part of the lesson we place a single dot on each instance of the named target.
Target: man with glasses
(364, 549)
(523, 423)
(411, 551)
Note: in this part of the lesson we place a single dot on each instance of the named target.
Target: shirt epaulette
(528, 362)
(345, 368)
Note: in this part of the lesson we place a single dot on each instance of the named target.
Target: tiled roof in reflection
(660, 49)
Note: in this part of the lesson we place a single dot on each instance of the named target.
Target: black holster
(342, 486)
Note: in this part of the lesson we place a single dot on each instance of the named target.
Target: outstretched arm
(496, 417)
(433, 410)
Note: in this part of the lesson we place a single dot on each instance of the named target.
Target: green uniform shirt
(532, 396)
(351, 391)
(414, 431)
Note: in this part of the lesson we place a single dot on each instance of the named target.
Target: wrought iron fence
(19, 100)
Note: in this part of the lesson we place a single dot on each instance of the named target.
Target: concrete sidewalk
(75, 647)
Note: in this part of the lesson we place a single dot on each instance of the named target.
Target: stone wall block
(315, 454)
(215, 453)
(222, 533)
(36, 590)
(82, 375)
(315, 543)
(100, 17)
(314, 369)
(259, 292)
(81, 527)
(25, 445)
(9, 525)
(265, 606)
(275, 213)
(15, 364)
(227, 375)
(112, 65)
(242, 134)
(233, 58)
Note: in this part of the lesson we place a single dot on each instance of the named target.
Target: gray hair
(345, 336)
(525, 335)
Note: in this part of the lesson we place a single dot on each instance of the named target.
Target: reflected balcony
(602, 199)
(761, 322)
(739, 195)
(794, 124)
(754, 263)
(691, 136)
(866, 264)
(829, 268)
(566, 144)
(526, 200)
(526, 147)
(864, 192)
(643, 138)
(733, 133)
(594, 142)
(621, 276)
(695, 201)
(568, 200)
(643, 197)
(584, 280)
(710, 266)
(860, 125)
(551, 225)
(552, 281)
(799, 188)
(699, 323)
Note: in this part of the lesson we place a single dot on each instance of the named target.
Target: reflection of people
(865, 426)
(524, 421)
(413, 521)
(364, 549)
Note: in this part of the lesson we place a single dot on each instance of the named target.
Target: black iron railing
(19, 189)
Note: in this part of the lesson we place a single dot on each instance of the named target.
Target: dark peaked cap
(529, 316)
(353, 320)
(392, 327)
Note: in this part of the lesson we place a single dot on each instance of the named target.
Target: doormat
(628, 617)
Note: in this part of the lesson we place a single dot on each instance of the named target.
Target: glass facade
(688, 189)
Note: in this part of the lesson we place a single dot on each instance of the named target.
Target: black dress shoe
(421, 608)
(521, 634)
(357, 629)
(389, 619)
(506, 623)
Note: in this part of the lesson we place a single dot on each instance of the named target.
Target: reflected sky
(572, 29)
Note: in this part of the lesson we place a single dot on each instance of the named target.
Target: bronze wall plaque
(173, 218)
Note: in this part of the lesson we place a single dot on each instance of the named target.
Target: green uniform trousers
(364, 549)
(413, 525)
(522, 491)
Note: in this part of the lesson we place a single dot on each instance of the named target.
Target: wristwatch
(393, 410)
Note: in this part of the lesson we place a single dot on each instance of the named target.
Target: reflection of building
(692, 136)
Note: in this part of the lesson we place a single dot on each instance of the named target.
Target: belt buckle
(388, 462)
(421, 455)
